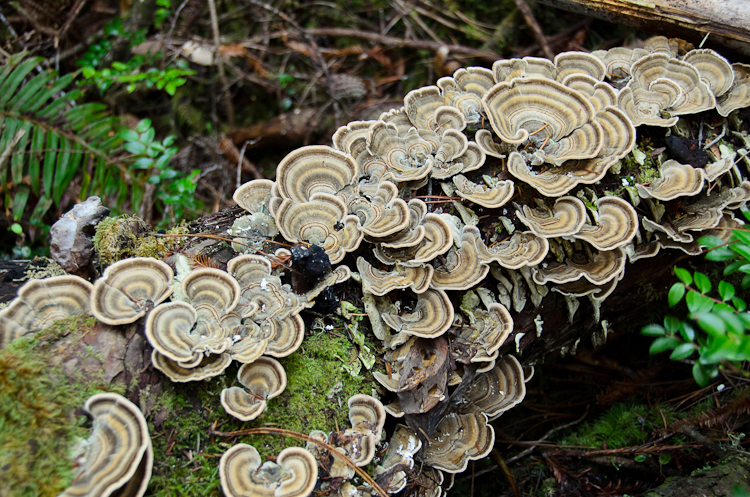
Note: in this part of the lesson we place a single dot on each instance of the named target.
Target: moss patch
(315, 398)
(37, 423)
(126, 236)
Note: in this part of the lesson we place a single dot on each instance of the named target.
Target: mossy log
(719, 481)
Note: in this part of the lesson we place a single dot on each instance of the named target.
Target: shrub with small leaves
(716, 329)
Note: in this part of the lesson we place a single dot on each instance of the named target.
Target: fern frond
(47, 138)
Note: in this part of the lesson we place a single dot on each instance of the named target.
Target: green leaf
(143, 125)
(135, 148)
(701, 375)
(128, 135)
(721, 254)
(702, 282)
(687, 332)
(739, 304)
(653, 330)
(726, 290)
(698, 303)
(676, 293)
(37, 144)
(671, 323)
(732, 321)
(20, 199)
(49, 163)
(147, 136)
(741, 249)
(710, 241)
(711, 323)
(733, 267)
(143, 163)
(661, 344)
(664, 458)
(682, 351)
(684, 275)
(741, 235)
(16, 77)
(63, 159)
(16, 228)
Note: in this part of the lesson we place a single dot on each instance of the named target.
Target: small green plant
(717, 324)
(139, 68)
(151, 165)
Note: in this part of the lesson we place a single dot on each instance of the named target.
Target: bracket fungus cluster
(546, 192)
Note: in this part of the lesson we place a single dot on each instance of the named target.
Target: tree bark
(727, 21)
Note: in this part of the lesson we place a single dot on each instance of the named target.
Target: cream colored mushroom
(459, 438)
(462, 268)
(402, 446)
(253, 196)
(42, 302)
(263, 379)
(118, 456)
(521, 249)
(379, 282)
(211, 292)
(738, 95)
(436, 239)
(713, 68)
(603, 267)
(294, 474)
(366, 415)
(495, 391)
(616, 224)
(427, 109)
(677, 180)
(314, 169)
(491, 198)
(381, 212)
(565, 218)
(431, 317)
(127, 288)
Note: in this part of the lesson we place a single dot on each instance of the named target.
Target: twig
(13, 142)
(174, 19)
(220, 63)
(547, 435)
(385, 40)
(71, 17)
(536, 29)
(716, 140)
(301, 436)
(495, 454)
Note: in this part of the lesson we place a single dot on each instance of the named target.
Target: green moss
(37, 422)
(315, 398)
(126, 236)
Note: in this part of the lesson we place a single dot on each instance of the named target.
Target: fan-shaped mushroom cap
(294, 473)
(618, 61)
(379, 282)
(436, 239)
(119, 444)
(253, 196)
(662, 83)
(521, 249)
(465, 89)
(677, 229)
(616, 225)
(458, 439)
(121, 295)
(42, 302)
(604, 266)
(398, 118)
(212, 292)
(618, 140)
(487, 197)
(677, 180)
(286, 335)
(462, 268)
(488, 331)
(314, 169)
(264, 379)
(200, 369)
(366, 415)
(383, 213)
(569, 64)
(431, 317)
(523, 106)
(399, 458)
(427, 109)
(169, 330)
(713, 68)
(508, 69)
(738, 96)
(344, 137)
(565, 218)
(495, 391)
(408, 157)
(486, 142)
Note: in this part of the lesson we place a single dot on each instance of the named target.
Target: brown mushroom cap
(381, 212)
(738, 95)
(431, 317)
(713, 68)
(436, 238)
(294, 473)
(264, 379)
(495, 391)
(314, 169)
(169, 329)
(212, 292)
(42, 302)
(118, 445)
(408, 157)
(121, 295)
(521, 249)
(566, 218)
(459, 438)
(616, 226)
(402, 447)
(491, 198)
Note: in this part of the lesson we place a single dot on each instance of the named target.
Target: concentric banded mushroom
(264, 379)
(496, 391)
(294, 473)
(616, 225)
(379, 282)
(42, 302)
(314, 169)
(603, 267)
(127, 288)
(462, 268)
(118, 450)
(459, 438)
(431, 317)
(565, 218)
(677, 180)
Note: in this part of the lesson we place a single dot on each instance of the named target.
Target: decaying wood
(727, 21)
